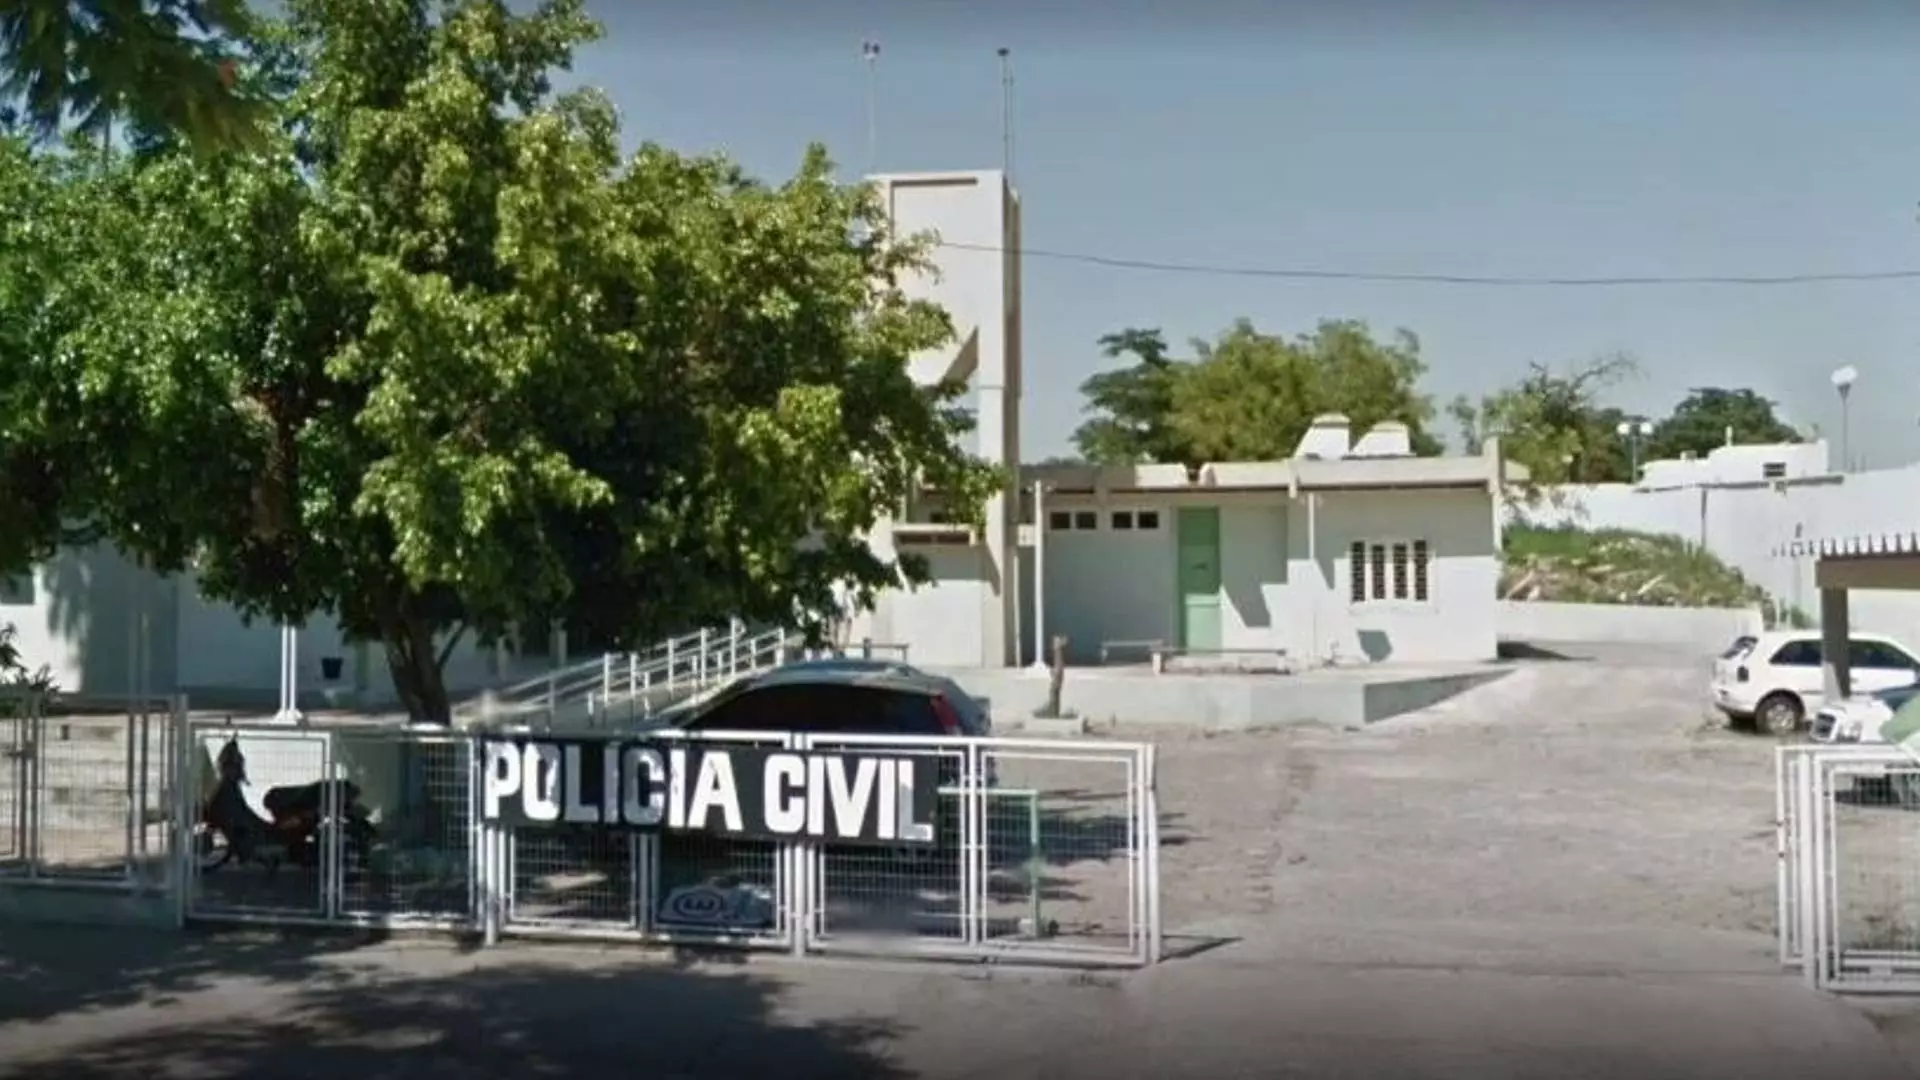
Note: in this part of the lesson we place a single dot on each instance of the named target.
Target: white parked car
(1774, 679)
(1859, 718)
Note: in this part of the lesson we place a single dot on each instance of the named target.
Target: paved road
(1566, 873)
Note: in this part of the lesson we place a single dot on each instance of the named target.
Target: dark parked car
(841, 696)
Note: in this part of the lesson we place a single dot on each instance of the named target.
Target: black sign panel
(856, 797)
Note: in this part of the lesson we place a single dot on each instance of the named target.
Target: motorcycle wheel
(211, 850)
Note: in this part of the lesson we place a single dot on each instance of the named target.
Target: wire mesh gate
(1848, 829)
(1045, 851)
(87, 796)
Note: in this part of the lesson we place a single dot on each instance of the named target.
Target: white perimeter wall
(82, 613)
(1744, 524)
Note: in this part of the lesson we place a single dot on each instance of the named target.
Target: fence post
(606, 674)
(180, 769)
(633, 673)
(733, 650)
(36, 780)
(1812, 899)
(798, 883)
(672, 660)
(132, 782)
(1150, 837)
(700, 665)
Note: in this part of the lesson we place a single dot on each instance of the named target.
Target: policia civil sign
(871, 797)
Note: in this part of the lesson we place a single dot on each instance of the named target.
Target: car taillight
(1740, 673)
(949, 720)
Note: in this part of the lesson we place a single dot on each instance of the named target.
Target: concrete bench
(1161, 654)
(1148, 648)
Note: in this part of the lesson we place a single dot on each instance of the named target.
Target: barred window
(1388, 570)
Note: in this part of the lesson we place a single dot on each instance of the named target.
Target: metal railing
(89, 798)
(1849, 871)
(1044, 851)
(636, 683)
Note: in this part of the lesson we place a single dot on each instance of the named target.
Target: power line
(1316, 274)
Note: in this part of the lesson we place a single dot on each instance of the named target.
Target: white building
(1358, 552)
(1752, 463)
(1350, 550)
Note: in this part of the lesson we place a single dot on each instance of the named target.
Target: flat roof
(1289, 475)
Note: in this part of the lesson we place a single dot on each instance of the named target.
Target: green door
(1199, 577)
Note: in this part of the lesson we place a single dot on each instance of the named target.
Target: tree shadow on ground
(279, 1005)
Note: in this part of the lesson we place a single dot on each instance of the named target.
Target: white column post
(1039, 575)
(289, 674)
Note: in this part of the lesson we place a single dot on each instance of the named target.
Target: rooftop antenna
(870, 52)
(1006, 112)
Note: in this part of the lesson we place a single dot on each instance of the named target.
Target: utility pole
(870, 52)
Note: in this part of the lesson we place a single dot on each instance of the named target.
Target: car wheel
(1779, 714)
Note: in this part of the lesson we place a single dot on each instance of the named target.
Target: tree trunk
(415, 666)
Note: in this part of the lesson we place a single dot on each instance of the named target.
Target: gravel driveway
(1595, 807)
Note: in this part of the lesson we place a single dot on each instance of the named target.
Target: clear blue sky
(1499, 139)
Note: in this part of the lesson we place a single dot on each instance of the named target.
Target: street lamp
(1843, 379)
(1633, 431)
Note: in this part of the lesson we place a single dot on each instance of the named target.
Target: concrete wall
(1284, 571)
(1345, 699)
(1744, 524)
(1697, 629)
(80, 614)
(1458, 621)
(970, 613)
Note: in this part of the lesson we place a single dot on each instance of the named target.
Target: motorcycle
(298, 820)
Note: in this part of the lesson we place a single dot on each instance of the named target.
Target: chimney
(1389, 438)
(1326, 438)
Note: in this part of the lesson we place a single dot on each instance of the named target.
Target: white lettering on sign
(900, 823)
(714, 789)
(785, 794)
(638, 764)
(853, 799)
(832, 797)
(575, 811)
(501, 779)
(540, 782)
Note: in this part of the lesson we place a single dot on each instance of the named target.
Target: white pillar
(1835, 670)
(289, 673)
(1039, 575)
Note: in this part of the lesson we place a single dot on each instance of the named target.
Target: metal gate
(1045, 851)
(1848, 820)
(87, 795)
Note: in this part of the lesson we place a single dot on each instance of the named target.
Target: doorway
(1198, 575)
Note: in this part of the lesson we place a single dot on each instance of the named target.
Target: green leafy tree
(154, 65)
(439, 361)
(1251, 396)
(1131, 407)
(1551, 422)
(1702, 420)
